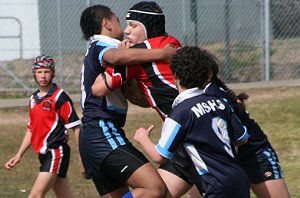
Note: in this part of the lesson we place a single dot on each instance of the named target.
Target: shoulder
(181, 111)
(62, 97)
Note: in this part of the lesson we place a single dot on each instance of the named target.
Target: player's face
(43, 76)
(136, 32)
(116, 28)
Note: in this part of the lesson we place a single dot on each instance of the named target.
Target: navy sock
(127, 195)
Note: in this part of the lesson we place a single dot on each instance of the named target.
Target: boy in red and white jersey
(51, 114)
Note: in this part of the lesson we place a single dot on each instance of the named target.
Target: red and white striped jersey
(155, 78)
(50, 117)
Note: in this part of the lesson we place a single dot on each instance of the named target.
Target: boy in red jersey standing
(51, 113)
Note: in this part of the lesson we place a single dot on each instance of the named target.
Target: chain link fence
(254, 40)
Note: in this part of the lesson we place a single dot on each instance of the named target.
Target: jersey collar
(105, 39)
(50, 92)
(189, 93)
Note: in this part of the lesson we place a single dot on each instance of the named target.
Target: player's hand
(126, 43)
(10, 164)
(142, 134)
(169, 51)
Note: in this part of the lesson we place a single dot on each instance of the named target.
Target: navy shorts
(56, 160)
(236, 186)
(262, 166)
(97, 139)
(116, 169)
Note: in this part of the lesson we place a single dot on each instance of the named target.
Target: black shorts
(117, 167)
(182, 166)
(262, 166)
(97, 139)
(56, 160)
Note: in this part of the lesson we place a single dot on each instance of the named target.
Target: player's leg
(61, 188)
(54, 164)
(146, 182)
(265, 174)
(176, 186)
(42, 185)
(275, 188)
(107, 186)
(127, 165)
(194, 193)
(180, 175)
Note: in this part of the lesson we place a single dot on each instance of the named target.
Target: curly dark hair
(192, 65)
(91, 20)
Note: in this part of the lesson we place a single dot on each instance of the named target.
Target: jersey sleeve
(172, 136)
(104, 47)
(66, 111)
(239, 131)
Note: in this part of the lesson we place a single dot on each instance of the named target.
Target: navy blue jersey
(257, 139)
(208, 128)
(112, 107)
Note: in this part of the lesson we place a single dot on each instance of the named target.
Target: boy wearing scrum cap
(146, 29)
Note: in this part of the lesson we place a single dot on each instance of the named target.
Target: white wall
(26, 11)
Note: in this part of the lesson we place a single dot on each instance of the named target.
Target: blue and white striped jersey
(207, 127)
(112, 107)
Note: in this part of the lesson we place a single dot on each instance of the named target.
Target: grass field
(277, 111)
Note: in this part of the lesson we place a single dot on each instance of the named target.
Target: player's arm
(239, 131)
(142, 136)
(243, 141)
(10, 164)
(133, 56)
(102, 85)
(76, 132)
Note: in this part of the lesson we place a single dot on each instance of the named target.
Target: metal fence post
(267, 39)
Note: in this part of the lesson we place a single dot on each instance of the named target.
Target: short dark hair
(91, 20)
(192, 65)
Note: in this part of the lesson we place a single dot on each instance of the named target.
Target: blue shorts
(56, 160)
(262, 166)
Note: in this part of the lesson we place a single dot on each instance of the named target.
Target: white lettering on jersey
(205, 107)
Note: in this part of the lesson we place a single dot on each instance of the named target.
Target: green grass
(279, 117)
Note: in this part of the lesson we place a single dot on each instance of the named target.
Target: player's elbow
(98, 90)
(239, 143)
(116, 57)
(159, 159)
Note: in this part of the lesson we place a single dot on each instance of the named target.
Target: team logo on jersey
(47, 105)
(268, 174)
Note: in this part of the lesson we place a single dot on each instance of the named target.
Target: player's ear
(106, 23)
(210, 75)
(177, 83)
(53, 73)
